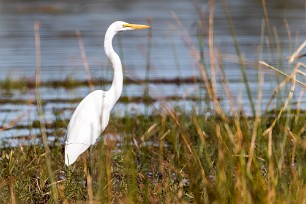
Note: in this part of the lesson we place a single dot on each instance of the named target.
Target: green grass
(190, 158)
(22, 84)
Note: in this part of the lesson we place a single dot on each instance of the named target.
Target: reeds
(41, 115)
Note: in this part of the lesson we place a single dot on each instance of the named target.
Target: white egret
(92, 115)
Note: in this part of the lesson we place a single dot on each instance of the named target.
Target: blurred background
(157, 62)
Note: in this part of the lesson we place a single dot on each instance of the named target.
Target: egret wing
(87, 123)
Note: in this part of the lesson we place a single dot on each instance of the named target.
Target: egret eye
(125, 25)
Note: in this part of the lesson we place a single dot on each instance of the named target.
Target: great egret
(92, 115)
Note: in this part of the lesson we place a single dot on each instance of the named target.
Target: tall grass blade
(85, 61)
(241, 60)
(41, 113)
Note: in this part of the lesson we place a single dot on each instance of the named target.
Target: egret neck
(116, 87)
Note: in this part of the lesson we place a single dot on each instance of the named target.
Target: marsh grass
(174, 155)
(182, 158)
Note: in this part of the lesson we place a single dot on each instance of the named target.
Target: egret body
(92, 114)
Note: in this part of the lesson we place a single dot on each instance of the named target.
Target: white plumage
(87, 123)
(92, 115)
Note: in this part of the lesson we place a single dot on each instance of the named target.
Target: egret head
(123, 26)
(116, 27)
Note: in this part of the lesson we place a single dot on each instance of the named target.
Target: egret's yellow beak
(136, 26)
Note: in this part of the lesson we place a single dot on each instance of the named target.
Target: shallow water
(169, 57)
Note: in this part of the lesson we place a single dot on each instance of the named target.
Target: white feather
(92, 115)
(87, 123)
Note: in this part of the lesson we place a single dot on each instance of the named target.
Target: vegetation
(169, 158)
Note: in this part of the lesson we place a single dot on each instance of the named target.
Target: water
(169, 56)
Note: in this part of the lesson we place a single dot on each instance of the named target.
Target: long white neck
(116, 88)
